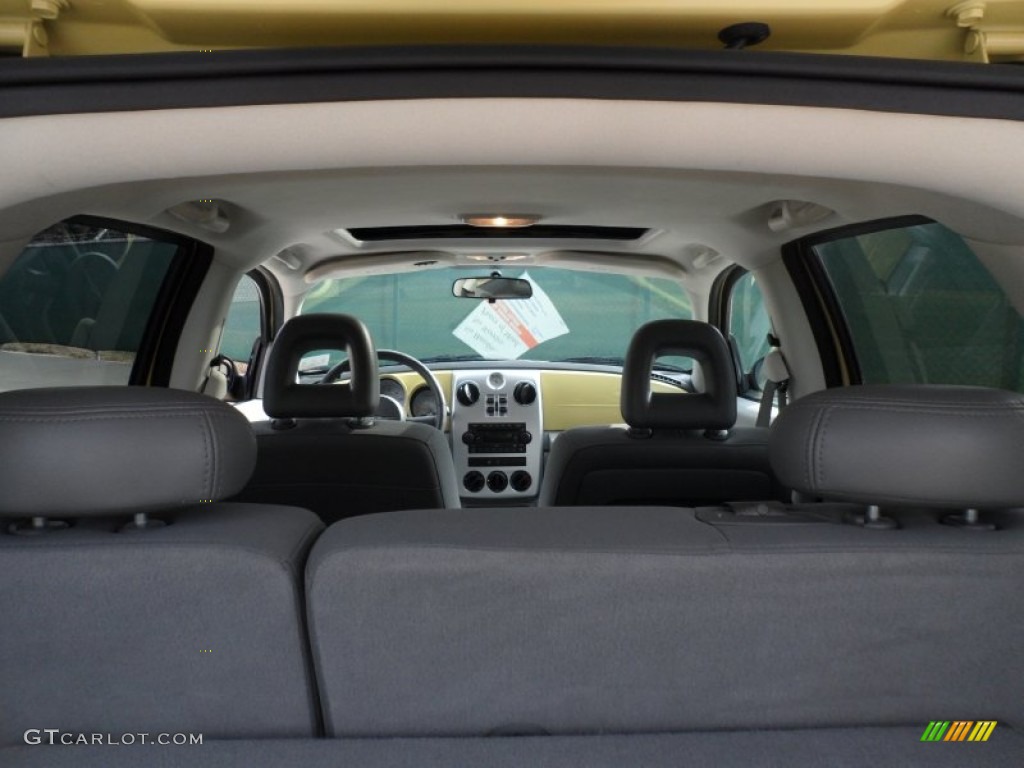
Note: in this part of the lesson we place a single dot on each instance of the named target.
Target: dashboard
(499, 418)
(502, 419)
(571, 398)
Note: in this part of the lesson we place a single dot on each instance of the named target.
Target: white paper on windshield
(505, 330)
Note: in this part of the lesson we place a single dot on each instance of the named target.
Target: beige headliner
(700, 175)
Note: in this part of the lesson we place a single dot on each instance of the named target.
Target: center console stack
(497, 434)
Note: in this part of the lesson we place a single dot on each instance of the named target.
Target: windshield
(573, 316)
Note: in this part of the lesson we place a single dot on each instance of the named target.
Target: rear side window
(75, 304)
(921, 307)
(243, 324)
(749, 323)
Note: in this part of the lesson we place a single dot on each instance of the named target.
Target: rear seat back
(573, 620)
(190, 626)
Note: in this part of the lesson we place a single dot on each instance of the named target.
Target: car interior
(543, 406)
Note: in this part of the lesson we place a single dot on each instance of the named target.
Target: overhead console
(497, 434)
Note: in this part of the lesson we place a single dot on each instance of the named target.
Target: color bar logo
(958, 730)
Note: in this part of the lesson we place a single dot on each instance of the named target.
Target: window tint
(243, 324)
(921, 307)
(75, 303)
(748, 321)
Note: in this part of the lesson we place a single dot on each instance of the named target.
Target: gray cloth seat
(323, 452)
(754, 616)
(947, 447)
(678, 449)
(111, 627)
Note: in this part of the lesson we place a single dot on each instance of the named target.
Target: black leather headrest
(713, 409)
(916, 445)
(89, 451)
(283, 398)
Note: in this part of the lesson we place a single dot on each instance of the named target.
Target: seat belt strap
(764, 413)
(777, 383)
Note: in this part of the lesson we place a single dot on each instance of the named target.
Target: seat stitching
(204, 428)
(41, 418)
(187, 545)
(935, 409)
(809, 455)
(149, 407)
(819, 461)
(214, 457)
(726, 548)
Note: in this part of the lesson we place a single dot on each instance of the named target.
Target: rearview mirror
(492, 288)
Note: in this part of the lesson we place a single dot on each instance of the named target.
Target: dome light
(499, 220)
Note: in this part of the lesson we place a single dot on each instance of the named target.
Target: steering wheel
(436, 419)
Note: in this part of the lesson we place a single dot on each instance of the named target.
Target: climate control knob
(524, 393)
(467, 393)
(521, 481)
(497, 481)
(474, 481)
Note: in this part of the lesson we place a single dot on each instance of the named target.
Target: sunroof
(465, 232)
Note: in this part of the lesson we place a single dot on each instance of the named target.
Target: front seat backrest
(133, 601)
(679, 449)
(322, 450)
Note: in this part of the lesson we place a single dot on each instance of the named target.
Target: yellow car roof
(974, 30)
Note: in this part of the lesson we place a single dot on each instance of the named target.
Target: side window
(243, 324)
(921, 307)
(749, 323)
(75, 303)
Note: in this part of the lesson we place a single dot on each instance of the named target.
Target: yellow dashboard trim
(569, 398)
(583, 398)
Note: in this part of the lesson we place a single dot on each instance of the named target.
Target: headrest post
(874, 519)
(35, 526)
(970, 520)
(141, 522)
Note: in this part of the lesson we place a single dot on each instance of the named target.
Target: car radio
(497, 438)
